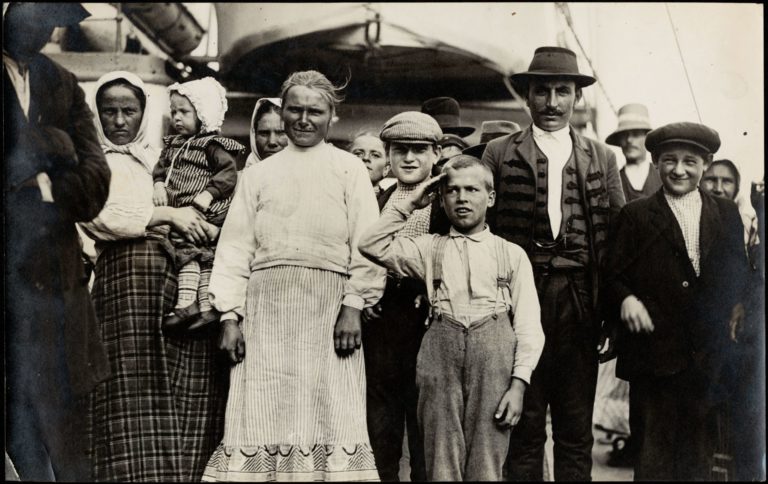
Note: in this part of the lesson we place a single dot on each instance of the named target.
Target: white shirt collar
(693, 196)
(561, 135)
(478, 237)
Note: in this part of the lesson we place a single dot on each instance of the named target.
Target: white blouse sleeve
(129, 206)
(366, 282)
(235, 249)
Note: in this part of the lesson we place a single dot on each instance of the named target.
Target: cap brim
(682, 141)
(613, 139)
(461, 131)
(411, 141)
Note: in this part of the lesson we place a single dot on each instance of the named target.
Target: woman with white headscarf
(267, 133)
(160, 414)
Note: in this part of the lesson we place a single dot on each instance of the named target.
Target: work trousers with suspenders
(462, 373)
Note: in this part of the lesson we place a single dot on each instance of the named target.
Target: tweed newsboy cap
(694, 134)
(411, 127)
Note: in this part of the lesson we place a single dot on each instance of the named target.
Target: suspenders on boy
(503, 276)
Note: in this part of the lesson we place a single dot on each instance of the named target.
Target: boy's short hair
(467, 161)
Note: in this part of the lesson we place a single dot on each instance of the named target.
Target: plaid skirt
(160, 415)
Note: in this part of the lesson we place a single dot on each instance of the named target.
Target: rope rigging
(682, 59)
(565, 11)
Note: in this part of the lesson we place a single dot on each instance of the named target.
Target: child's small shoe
(180, 316)
(204, 318)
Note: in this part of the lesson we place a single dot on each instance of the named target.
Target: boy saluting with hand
(485, 336)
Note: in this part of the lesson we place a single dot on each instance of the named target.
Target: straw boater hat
(631, 117)
(446, 112)
(491, 130)
(551, 62)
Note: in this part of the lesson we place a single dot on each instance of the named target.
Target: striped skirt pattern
(160, 415)
(296, 410)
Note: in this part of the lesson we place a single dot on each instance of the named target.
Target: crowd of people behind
(293, 319)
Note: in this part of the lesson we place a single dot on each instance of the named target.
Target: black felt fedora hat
(446, 112)
(552, 62)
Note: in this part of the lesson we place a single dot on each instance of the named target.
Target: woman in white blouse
(160, 414)
(291, 284)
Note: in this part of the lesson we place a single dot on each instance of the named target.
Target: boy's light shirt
(412, 257)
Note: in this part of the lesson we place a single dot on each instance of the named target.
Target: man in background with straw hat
(557, 192)
(639, 178)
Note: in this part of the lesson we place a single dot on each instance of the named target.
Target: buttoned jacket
(690, 313)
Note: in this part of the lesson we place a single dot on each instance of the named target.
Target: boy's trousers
(390, 347)
(461, 374)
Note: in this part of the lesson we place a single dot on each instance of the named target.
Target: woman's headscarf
(139, 148)
(255, 157)
(209, 99)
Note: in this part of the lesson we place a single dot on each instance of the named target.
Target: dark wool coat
(690, 314)
(51, 333)
(512, 159)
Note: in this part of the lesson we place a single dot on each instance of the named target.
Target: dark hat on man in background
(411, 127)
(452, 140)
(491, 130)
(447, 113)
(551, 62)
(61, 14)
(631, 117)
(694, 134)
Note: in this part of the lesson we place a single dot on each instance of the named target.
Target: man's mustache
(551, 112)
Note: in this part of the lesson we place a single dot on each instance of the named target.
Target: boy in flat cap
(55, 176)
(393, 329)
(485, 336)
(675, 276)
(557, 193)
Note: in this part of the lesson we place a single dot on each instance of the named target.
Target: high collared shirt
(315, 224)
(637, 173)
(687, 210)
(469, 290)
(557, 146)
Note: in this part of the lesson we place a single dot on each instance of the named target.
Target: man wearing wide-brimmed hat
(639, 178)
(55, 176)
(556, 193)
(447, 113)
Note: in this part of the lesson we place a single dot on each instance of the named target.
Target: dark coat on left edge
(51, 333)
(690, 314)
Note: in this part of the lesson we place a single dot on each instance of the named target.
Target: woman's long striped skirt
(296, 410)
